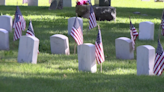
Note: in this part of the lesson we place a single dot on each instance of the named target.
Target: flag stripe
(99, 53)
(76, 32)
(19, 24)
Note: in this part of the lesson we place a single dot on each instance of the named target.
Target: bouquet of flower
(82, 2)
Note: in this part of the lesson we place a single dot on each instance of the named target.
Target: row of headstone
(146, 29)
(60, 44)
(145, 55)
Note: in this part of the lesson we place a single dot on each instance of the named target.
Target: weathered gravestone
(71, 23)
(124, 50)
(56, 4)
(83, 10)
(103, 10)
(4, 39)
(32, 2)
(28, 49)
(6, 22)
(86, 57)
(2, 2)
(59, 44)
(146, 31)
(145, 60)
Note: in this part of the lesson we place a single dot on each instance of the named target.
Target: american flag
(30, 31)
(92, 18)
(19, 24)
(76, 32)
(159, 60)
(133, 34)
(162, 24)
(99, 52)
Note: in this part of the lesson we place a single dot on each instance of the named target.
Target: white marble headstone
(59, 44)
(6, 22)
(145, 60)
(71, 22)
(124, 50)
(146, 31)
(28, 49)
(86, 57)
(2, 2)
(32, 2)
(67, 3)
(4, 39)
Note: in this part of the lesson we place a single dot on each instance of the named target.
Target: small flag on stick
(30, 31)
(76, 32)
(133, 34)
(19, 24)
(99, 51)
(92, 18)
(159, 60)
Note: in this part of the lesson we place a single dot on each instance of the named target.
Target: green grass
(59, 73)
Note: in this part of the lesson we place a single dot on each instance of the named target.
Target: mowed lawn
(59, 73)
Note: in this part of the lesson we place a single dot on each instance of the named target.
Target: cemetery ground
(59, 73)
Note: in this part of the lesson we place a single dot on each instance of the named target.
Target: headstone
(2, 2)
(6, 22)
(83, 10)
(59, 44)
(86, 57)
(32, 2)
(67, 3)
(124, 50)
(4, 39)
(71, 22)
(145, 60)
(105, 13)
(146, 31)
(28, 49)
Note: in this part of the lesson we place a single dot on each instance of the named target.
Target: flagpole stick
(101, 63)
(75, 48)
(160, 27)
